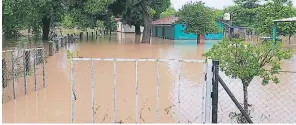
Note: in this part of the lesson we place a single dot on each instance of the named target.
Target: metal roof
(292, 19)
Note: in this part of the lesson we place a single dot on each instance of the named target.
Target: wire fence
(271, 103)
(22, 72)
(137, 90)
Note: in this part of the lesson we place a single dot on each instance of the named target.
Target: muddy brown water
(53, 103)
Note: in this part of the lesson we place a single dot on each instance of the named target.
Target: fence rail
(138, 113)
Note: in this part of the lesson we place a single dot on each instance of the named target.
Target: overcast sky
(219, 4)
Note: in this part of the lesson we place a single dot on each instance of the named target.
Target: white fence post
(92, 90)
(207, 100)
(73, 92)
(157, 91)
(114, 89)
(136, 91)
(179, 91)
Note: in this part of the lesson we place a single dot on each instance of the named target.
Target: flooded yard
(154, 103)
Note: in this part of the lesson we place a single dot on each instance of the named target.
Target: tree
(130, 14)
(15, 15)
(197, 18)
(68, 21)
(245, 61)
(145, 10)
(274, 10)
(168, 12)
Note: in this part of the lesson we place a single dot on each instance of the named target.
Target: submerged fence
(271, 103)
(174, 91)
(22, 72)
(145, 94)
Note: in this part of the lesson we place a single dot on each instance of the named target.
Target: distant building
(125, 28)
(169, 28)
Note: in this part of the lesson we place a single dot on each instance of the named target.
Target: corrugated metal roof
(292, 19)
(165, 21)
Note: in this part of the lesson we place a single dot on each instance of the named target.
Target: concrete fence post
(51, 49)
(56, 41)
(62, 42)
(81, 35)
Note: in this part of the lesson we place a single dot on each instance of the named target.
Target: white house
(125, 28)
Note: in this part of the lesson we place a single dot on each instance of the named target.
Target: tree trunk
(45, 28)
(147, 25)
(290, 38)
(245, 88)
(138, 29)
(198, 38)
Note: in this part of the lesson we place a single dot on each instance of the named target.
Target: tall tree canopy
(168, 12)
(197, 18)
(35, 15)
(141, 12)
(273, 10)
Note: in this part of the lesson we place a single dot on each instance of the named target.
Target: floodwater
(52, 104)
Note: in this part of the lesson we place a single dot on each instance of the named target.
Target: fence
(137, 90)
(272, 103)
(23, 71)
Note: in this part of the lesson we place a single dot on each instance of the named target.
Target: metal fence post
(13, 74)
(73, 92)
(4, 82)
(207, 90)
(114, 89)
(179, 91)
(35, 55)
(136, 91)
(215, 92)
(157, 92)
(92, 90)
(43, 67)
(25, 71)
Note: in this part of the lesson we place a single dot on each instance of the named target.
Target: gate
(271, 103)
(140, 90)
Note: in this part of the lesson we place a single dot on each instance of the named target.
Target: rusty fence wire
(23, 71)
(271, 103)
(137, 90)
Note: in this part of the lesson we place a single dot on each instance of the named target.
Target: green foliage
(273, 11)
(219, 14)
(168, 12)
(197, 18)
(245, 61)
(68, 21)
(96, 6)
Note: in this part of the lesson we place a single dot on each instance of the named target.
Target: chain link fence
(137, 90)
(271, 103)
(22, 72)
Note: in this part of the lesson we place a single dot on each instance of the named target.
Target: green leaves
(168, 12)
(198, 18)
(245, 61)
(273, 11)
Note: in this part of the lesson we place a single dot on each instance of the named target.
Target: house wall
(126, 28)
(169, 32)
(179, 33)
(216, 36)
(119, 24)
(153, 31)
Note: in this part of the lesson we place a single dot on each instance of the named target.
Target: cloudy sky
(220, 4)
